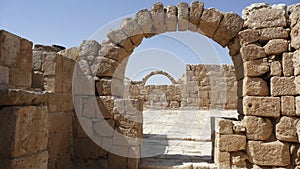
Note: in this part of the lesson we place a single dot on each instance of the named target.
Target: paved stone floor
(179, 137)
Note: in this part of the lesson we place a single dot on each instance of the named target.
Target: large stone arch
(257, 44)
(158, 72)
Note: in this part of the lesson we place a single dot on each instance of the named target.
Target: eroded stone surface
(209, 21)
(286, 129)
(261, 106)
(258, 128)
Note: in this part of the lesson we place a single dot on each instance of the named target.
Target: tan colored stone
(273, 33)
(37, 80)
(276, 46)
(286, 129)
(255, 87)
(252, 52)
(275, 69)
(288, 106)
(283, 86)
(238, 159)
(60, 122)
(131, 28)
(196, 10)
(261, 106)
(295, 154)
(295, 36)
(58, 144)
(106, 67)
(209, 21)
(143, 18)
(39, 160)
(171, 18)
(287, 64)
(234, 46)
(106, 105)
(296, 63)
(273, 153)
(108, 86)
(67, 74)
(266, 18)
(297, 104)
(249, 36)
(183, 16)
(158, 17)
(4, 75)
(120, 38)
(71, 53)
(89, 48)
(113, 52)
(256, 67)
(228, 28)
(258, 128)
(85, 148)
(117, 162)
(222, 159)
(24, 131)
(232, 142)
(18, 97)
(225, 126)
(82, 84)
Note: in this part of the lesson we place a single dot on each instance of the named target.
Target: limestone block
(234, 46)
(59, 144)
(249, 36)
(275, 69)
(256, 67)
(286, 129)
(258, 128)
(222, 159)
(88, 48)
(228, 28)
(82, 84)
(60, 122)
(106, 67)
(85, 148)
(297, 104)
(131, 28)
(255, 87)
(67, 74)
(106, 105)
(196, 10)
(296, 63)
(238, 159)
(24, 131)
(288, 64)
(39, 160)
(37, 60)
(120, 38)
(295, 154)
(113, 52)
(171, 18)
(252, 52)
(273, 33)
(231, 142)
(4, 75)
(225, 126)
(49, 63)
(288, 106)
(183, 16)
(273, 153)
(158, 17)
(266, 18)
(143, 18)
(108, 86)
(295, 36)
(261, 106)
(209, 21)
(71, 53)
(283, 86)
(276, 46)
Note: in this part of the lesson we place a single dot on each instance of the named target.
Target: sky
(69, 22)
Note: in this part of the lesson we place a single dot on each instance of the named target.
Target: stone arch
(158, 72)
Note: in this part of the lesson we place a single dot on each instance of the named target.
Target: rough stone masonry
(40, 129)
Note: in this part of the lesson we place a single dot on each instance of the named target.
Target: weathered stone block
(111, 51)
(39, 160)
(275, 68)
(288, 106)
(273, 153)
(4, 75)
(234, 46)
(297, 104)
(296, 63)
(85, 148)
(60, 122)
(288, 64)
(58, 144)
(131, 28)
(67, 74)
(295, 36)
(183, 16)
(106, 105)
(228, 28)
(238, 159)
(286, 129)
(283, 86)
(82, 84)
(256, 67)
(273, 33)
(258, 128)
(143, 18)
(24, 131)
(209, 21)
(222, 159)
(158, 17)
(171, 18)
(252, 52)
(231, 142)
(255, 87)
(120, 38)
(225, 126)
(295, 154)
(276, 46)
(266, 18)
(261, 106)
(106, 67)
(18, 97)
(196, 10)
(249, 36)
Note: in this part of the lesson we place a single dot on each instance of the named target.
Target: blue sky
(68, 22)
